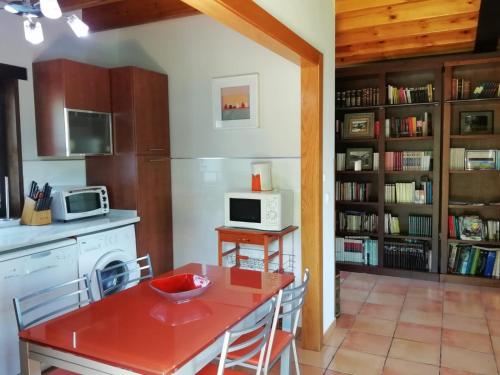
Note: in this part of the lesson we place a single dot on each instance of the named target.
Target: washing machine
(105, 249)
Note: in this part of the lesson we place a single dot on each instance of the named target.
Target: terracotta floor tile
(345, 321)
(363, 276)
(494, 326)
(344, 275)
(414, 351)
(495, 340)
(470, 309)
(435, 294)
(418, 332)
(390, 288)
(367, 343)
(492, 313)
(393, 280)
(317, 359)
(421, 317)
(477, 342)
(462, 323)
(450, 371)
(304, 370)
(352, 362)
(491, 300)
(462, 287)
(456, 296)
(427, 284)
(374, 326)
(462, 359)
(388, 299)
(336, 337)
(394, 366)
(350, 307)
(353, 294)
(358, 284)
(423, 304)
(380, 311)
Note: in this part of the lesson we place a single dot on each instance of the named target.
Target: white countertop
(21, 236)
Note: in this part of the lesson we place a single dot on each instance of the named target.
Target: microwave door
(83, 202)
(244, 210)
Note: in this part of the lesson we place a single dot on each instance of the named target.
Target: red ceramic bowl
(180, 288)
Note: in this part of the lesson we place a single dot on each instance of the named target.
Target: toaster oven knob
(103, 191)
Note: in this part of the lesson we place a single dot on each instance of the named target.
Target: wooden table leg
(281, 253)
(28, 366)
(220, 251)
(237, 259)
(266, 254)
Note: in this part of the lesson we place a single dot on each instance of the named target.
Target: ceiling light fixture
(33, 9)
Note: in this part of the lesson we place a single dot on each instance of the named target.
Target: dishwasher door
(54, 264)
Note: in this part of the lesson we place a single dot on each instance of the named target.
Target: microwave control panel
(272, 210)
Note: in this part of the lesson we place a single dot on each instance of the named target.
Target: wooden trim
(254, 22)
(488, 27)
(69, 5)
(13, 72)
(385, 271)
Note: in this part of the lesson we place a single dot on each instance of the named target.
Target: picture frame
(476, 122)
(358, 125)
(363, 154)
(480, 160)
(235, 102)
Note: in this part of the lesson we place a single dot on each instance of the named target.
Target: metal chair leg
(295, 357)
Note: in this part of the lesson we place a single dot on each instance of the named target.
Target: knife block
(32, 217)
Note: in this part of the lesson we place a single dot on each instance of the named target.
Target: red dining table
(138, 331)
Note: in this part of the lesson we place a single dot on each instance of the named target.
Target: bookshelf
(379, 76)
(467, 193)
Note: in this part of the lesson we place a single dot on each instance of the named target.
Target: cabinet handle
(157, 149)
(157, 160)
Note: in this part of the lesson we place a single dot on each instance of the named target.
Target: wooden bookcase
(409, 74)
(464, 185)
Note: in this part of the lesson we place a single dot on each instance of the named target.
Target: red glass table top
(142, 331)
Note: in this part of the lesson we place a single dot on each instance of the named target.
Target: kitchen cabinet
(137, 175)
(64, 84)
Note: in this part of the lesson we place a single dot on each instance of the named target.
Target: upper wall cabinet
(72, 107)
(140, 111)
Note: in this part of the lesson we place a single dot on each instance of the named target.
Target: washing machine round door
(119, 282)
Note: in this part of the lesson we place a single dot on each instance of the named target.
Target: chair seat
(282, 339)
(58, 371)
(211, 369)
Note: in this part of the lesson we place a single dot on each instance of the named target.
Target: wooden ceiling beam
(411, 28)
(403, 12)
(344, 6)
(70, 5)
(134, 12)
(488, 28)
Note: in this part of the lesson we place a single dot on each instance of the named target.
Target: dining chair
(289, 309)
(49, 303)
(241, 345)
(116, 277)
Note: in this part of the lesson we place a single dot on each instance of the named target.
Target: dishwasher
(23, 272)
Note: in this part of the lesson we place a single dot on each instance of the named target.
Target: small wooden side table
(254, 237)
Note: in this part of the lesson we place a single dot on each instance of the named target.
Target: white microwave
(71, 202)
(266, 210)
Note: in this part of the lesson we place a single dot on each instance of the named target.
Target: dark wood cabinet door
(154, 197)
(86, 87)
(151, 112)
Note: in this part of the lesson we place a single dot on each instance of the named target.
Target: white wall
(59, 42)
(313, 20)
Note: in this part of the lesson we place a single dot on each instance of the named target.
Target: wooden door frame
(249, 19)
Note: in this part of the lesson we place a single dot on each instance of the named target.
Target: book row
(355, 221)
(420, 225)
(408, 95)
(474, 260)
(473, 228)
(353, 191)
(408, 160)
(360, 250)
(463, 159)
(358, 98)
(408, 255)
(461, 89)
(406, 192)
(391, 224)
(412, 126)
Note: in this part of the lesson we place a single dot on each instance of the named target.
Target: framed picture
(235, 102)
(477, 122)
(480, 159)
(360, 155)
(358, 125)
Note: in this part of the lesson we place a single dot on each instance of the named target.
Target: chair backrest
(293, 300)
(252, 340)
(118, 276)
(51, 302)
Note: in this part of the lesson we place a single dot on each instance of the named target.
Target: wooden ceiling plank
(70, 5)
(344, 6)
(403, 12)
(411, 28)
(419, 41)
(403, 53)
(488, 29)
(133, 12)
